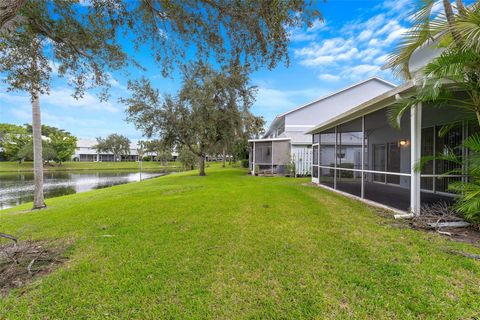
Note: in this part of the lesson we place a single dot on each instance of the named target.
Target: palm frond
(450, 65)
(468, 25)
(449, 127)
(396, 111)
(417, 36)
(449, 156)
(469, 203)
(472, 143)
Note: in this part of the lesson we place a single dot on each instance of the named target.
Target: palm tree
(38, 198)
(455, 70)
(448, 29)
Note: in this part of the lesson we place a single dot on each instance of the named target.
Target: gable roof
(303, 106)
(338, 92)
(369, 106)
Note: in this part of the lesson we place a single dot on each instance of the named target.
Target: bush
(244, 163)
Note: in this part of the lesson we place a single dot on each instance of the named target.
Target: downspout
(415, 153)
(253, 159)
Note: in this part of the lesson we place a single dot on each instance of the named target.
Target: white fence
(303, 160)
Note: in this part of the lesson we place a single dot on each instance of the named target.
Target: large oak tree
(211, 106)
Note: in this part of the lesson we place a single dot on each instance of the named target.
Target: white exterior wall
(335, 105)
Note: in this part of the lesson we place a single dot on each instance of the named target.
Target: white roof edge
(328, 96)
(362, 107)
(269, 139)
(271, 124)
(337, 92)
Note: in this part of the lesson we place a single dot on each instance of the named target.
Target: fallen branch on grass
(438, 215)
(452, 224)
(7, 236)
(444, 233)
(23, 260)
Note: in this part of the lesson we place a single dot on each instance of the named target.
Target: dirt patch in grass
(465, 234)
(24, 261)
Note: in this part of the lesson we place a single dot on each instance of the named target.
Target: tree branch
(9, 10)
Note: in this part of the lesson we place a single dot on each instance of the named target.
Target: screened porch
(368, 158)
(269, 156)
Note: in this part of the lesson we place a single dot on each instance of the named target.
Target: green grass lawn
(231, 246)
(9, 166)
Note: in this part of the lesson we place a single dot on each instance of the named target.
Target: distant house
(285, 140)
(86, 151)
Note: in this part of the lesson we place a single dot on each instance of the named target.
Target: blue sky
(350, 45)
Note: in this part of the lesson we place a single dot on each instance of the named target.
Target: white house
(384, 172)
(286, 139)
(86, 151)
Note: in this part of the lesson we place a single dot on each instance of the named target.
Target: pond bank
(10, 166)
(17, 187)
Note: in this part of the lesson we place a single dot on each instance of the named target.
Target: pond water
(17, 188)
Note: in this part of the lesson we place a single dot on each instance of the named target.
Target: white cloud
(302, 36)
(318, 25)
(369, 54)
(365, 35)
(359, 48)
(327, 52)
(398, 6)
(85, 3)
(317, 61)
(361, 71)
(21, 114)
(328, 77)
(381, 60)
(271, 98)
(395, 35)
(309, 34)
(62, 97)
(54, 66)
(271, 101)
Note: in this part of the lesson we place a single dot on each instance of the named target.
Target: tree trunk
(451, 23)
(460, 6)
(223, 158)
(38, 199)
(201, 165)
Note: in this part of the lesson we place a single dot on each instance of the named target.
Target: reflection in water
(17, 188)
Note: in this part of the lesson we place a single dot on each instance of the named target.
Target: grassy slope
(28, 166)
(234, 246)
